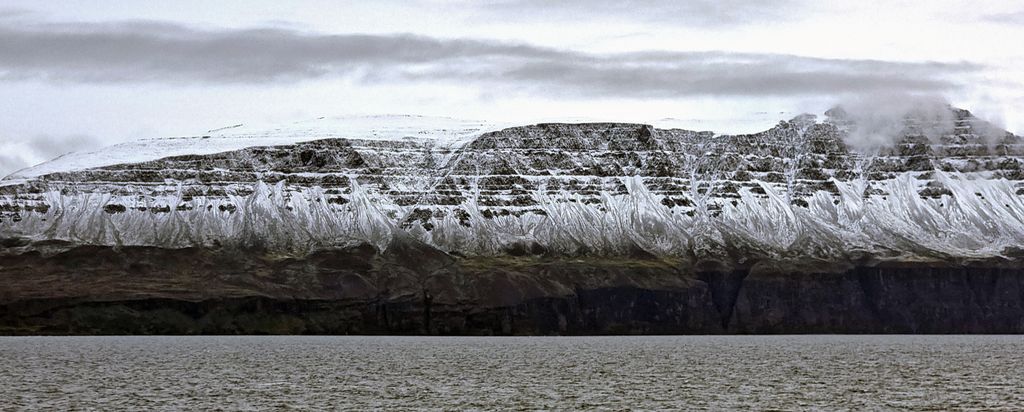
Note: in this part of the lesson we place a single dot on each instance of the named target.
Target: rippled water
(781, 372)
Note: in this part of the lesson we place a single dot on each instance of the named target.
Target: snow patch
(447, 131)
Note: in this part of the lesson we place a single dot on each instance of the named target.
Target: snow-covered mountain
(802, 189)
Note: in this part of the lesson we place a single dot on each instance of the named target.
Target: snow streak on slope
(982, 218)
(792, 192)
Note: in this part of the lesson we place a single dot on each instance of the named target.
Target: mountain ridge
(668, 192)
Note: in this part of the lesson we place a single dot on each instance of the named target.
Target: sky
(78, 75)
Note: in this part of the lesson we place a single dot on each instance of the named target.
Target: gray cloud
(702, 13)
(49, 146)
(876, 120)
(45, 147)
(13, 13)
(143, 51)
(10, 164)
(713, 73)
(1016, 18)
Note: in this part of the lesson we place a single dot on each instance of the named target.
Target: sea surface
(522, 373)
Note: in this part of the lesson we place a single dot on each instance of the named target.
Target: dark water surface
(705, 372)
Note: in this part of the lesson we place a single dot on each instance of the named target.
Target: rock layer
(99, 290)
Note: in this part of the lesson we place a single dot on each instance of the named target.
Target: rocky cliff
(412, 290)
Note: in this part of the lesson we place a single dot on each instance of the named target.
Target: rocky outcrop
(102, 290)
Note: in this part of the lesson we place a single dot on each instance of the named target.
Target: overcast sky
(76, 75)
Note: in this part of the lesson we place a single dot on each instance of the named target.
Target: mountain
(451, 226)
(796, 190)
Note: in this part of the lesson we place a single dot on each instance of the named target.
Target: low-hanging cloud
(49, 146)
(9, 164)
(877, 121)
(41, 148)
(157, 52)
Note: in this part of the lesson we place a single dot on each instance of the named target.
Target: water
(764, 372)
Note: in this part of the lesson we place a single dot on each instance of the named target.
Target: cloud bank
(876, 122)
(157, 52)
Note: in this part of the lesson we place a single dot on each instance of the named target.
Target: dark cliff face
(416, 290)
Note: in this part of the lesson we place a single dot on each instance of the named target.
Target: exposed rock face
(550, 228)
(90, 290)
